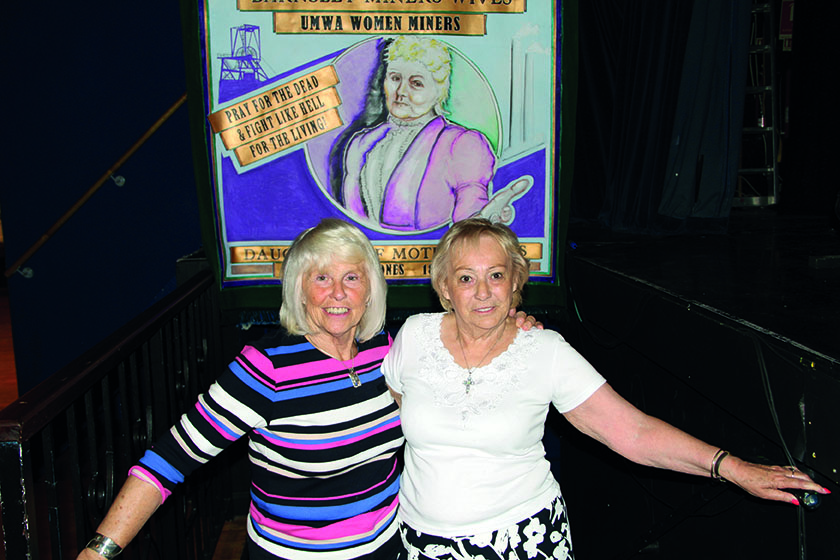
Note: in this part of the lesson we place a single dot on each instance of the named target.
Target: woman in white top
(474, 394)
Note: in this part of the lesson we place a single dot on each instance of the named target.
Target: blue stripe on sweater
(159, 465)
(267, 433)
(279, 350)
(327, 513)
(306, 391)
(327, 546)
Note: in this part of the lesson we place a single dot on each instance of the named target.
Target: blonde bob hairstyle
(314, 249)
(465, 235)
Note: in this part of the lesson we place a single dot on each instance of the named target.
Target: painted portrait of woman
(402, 165)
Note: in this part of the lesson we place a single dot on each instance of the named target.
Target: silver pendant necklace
(354, 378)
(468, 382)
(351, 369)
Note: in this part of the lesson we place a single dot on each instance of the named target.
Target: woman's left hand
(768, 482)
(525, 321)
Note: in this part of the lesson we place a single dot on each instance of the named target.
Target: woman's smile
(480, 285)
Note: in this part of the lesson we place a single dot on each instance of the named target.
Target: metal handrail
(27, 415)
(66, 446)
(90, 192)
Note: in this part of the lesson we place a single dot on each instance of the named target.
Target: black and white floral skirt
(544, 536)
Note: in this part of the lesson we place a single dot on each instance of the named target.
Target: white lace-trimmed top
(446, 378)
(474, 461)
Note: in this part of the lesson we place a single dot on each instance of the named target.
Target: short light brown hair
(316, 247)
(469, 232)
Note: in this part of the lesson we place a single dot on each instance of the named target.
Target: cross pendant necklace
(468, 382)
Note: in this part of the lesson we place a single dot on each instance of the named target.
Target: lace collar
(418, 123)
(446, 378)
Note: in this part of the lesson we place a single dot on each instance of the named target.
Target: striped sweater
(324, 455)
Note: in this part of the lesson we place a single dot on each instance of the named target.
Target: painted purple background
(275, 201)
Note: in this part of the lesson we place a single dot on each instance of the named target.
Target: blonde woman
(474, 393)
(324, 432)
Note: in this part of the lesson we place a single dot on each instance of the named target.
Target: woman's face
(410, 90)
(336, 297)
(480, 284)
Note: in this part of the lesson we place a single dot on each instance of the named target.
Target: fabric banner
(399, 116)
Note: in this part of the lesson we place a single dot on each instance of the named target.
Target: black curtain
(809, 149)
(659, 113)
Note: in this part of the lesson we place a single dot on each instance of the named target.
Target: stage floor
(778, 273)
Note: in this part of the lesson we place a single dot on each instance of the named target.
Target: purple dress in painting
(443, 176)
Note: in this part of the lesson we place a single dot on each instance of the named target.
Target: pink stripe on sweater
(342, 375)
(260, 360)
(311, 499)
(297, 371)
(262, 363)
(371, 354)
(144, 475)
(331, 444)
(348, 529)
(289, 373)
(339, 376)
(308, 369)
(212, 422)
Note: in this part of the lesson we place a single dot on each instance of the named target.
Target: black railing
(109, 174)
(66, 446)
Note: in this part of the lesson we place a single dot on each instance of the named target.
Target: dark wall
(82, 83)
(809, 104)
(719, 378)
(632, 55)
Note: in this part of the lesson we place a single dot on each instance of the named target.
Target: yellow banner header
(382, 24)
(421, 6)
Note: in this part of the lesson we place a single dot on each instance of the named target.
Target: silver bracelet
(716, 461)
(104, 546)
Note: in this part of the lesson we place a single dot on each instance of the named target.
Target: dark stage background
(722, 321)
(693, 310)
